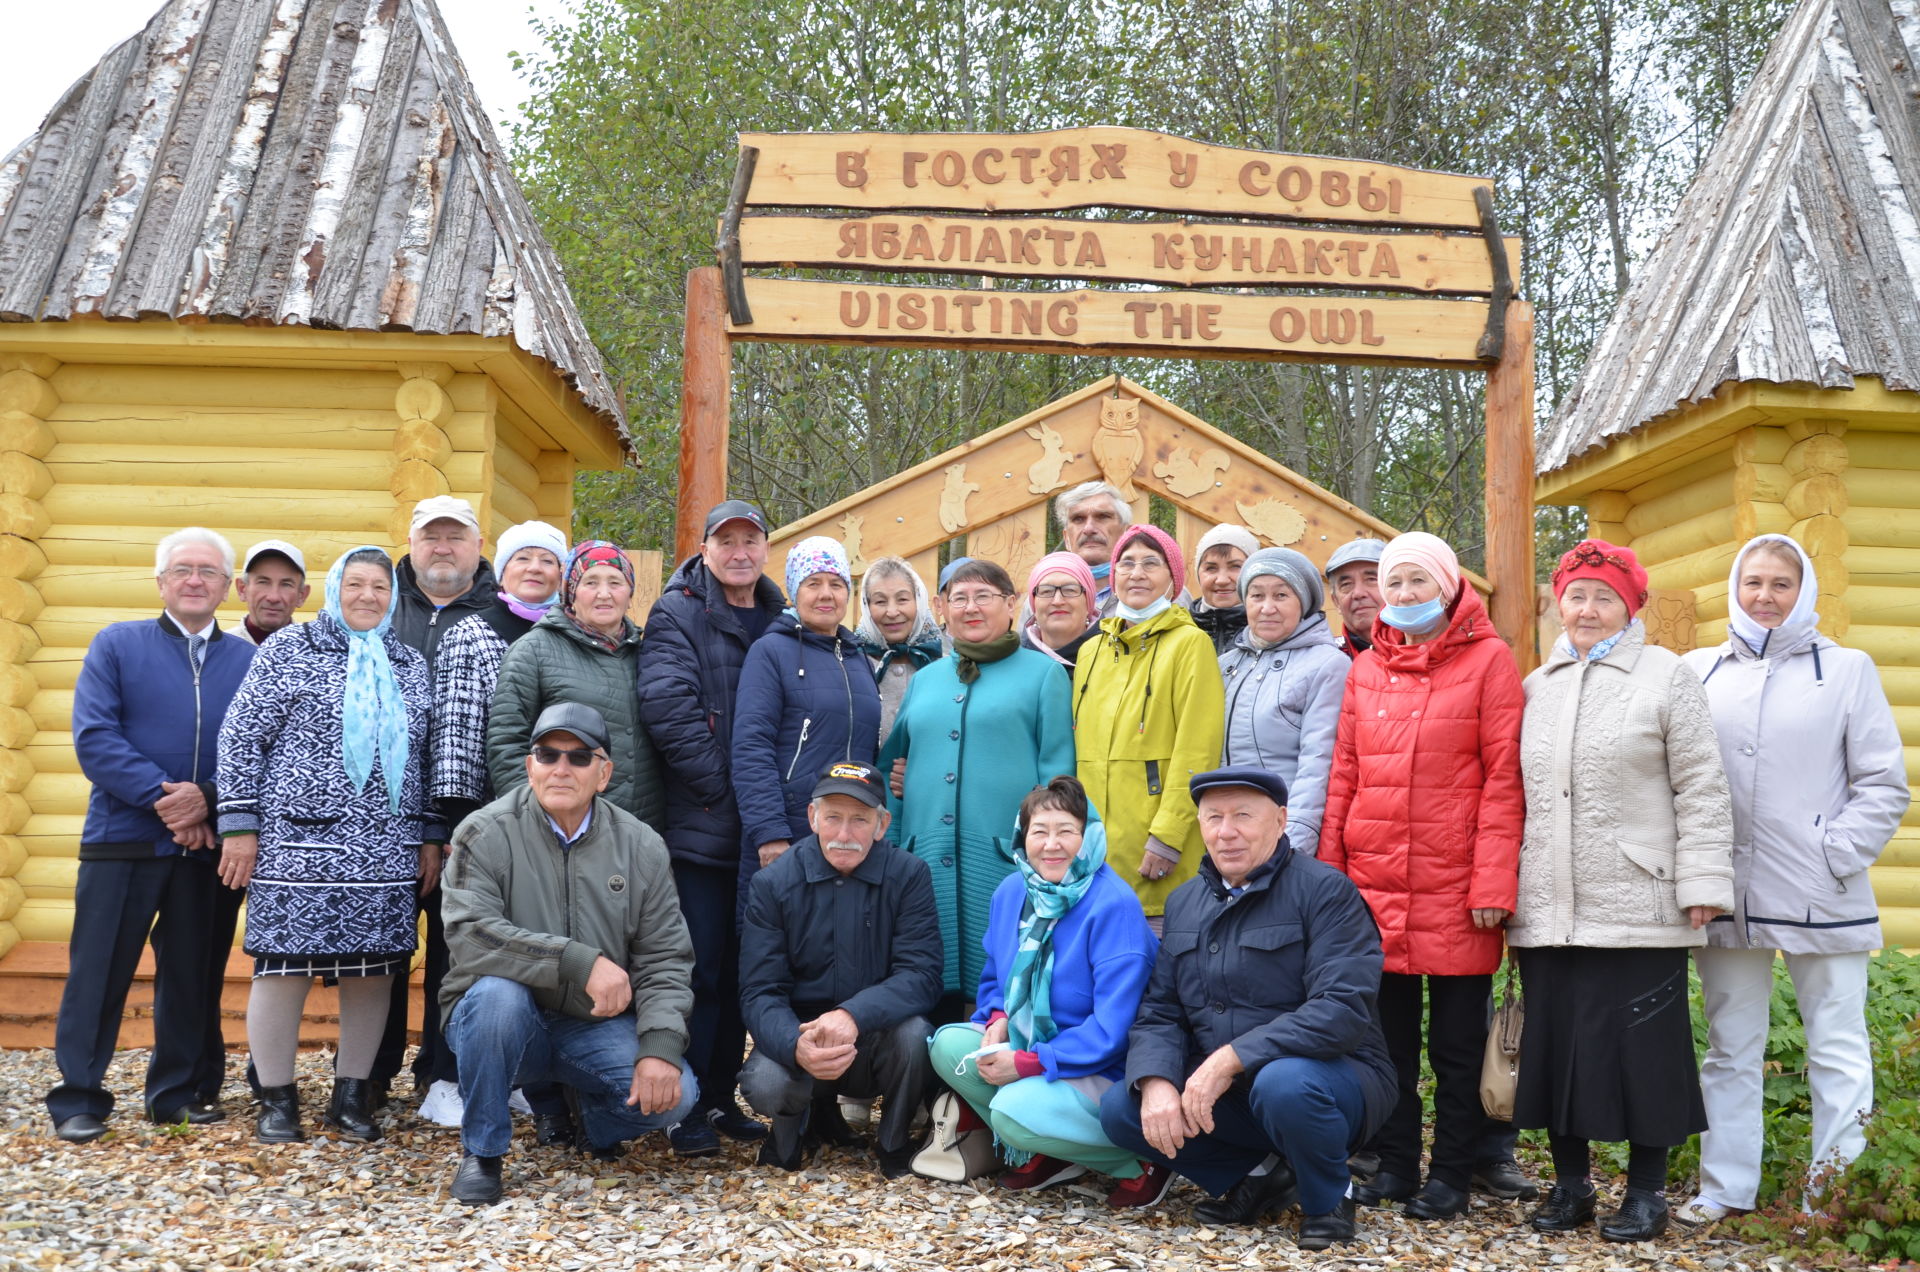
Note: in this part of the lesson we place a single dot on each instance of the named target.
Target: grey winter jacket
(1819, 781)
(1283, 708)
(557, 662)
(521, 906)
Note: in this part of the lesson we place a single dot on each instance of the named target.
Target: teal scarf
(373, 716)
(1029, 986)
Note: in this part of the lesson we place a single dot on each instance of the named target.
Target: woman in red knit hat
(1628, 853)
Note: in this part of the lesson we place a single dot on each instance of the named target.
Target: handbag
(954, 1154)
(1500, 1070)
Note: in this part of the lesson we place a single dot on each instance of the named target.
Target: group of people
(1155, 881)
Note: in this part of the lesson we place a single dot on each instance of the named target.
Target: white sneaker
(517, 1103)
(857, 1113)
(443, 1105)
(1700, 1212)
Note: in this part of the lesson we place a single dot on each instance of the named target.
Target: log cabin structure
(1762, 374)
(264, 269)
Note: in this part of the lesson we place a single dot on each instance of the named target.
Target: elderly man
(1256, 1063)
(1091, 517)
(1353, 584)
(570, 960)
(272, 584)
(840, 963)
(715, 605)
(147, 710)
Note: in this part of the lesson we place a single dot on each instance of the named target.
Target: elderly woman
(1819, 781)
(1285, 675)
(1068, 957)
(1148, 713)
(807, 698)
(1424, 812)
(1628, 854)
(898, 631)
(1217, 607)
(584, 649)
(1059, 612)
(979, 729)
(324, 819)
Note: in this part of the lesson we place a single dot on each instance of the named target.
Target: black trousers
(117, 907)
(717, 1038)
(224, 918)
(1456, 1014)
(892, 1064)
(434, 1062)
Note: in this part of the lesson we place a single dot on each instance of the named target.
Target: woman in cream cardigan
(1627, 856)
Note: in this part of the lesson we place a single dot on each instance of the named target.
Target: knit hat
(816, 555)
(587, 555)
(1227, 536)
(529, 534)
(1355, 550)
(1163, 543)
(1291, 568)
(1603, 562)
(1062, 563)
(1431, 553)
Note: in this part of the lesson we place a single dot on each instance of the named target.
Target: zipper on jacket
(806, 727)
(196, 706)
(848, 682)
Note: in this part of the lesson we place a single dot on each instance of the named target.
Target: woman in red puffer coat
(1424, 813)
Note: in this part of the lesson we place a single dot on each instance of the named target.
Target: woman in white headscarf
(898, 632)
(1819, 781)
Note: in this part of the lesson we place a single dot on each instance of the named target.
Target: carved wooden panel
(1016, 542)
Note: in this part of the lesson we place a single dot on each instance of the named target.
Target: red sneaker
(1148, 1188)
(1040, 1171)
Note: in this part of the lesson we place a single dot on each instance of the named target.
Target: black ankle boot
(351, 1109)
(279, 1118)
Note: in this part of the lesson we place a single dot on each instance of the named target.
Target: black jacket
(690, 660)
(418, 623)
(815, 940)
(1291, 967)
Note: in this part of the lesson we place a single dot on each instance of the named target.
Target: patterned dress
(333, 889)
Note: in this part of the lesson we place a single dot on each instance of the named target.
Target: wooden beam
(1510, 487)
(705, 386)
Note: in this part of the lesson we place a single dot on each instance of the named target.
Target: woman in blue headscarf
(324, 818)
(1068, 958)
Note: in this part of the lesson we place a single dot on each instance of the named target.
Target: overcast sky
(50, 45)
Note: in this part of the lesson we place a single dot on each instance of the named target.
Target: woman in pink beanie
(1059, 615)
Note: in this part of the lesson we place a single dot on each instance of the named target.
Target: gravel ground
(147, 1197)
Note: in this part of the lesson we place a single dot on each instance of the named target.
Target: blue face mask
(1414, 618)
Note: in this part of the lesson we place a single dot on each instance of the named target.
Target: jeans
(504, 1039)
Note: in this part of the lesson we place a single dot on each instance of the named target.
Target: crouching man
(1256, 1063)
(840, 962)
(570, 961)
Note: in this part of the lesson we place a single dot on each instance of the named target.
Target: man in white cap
(272, 584)
(1353, 585)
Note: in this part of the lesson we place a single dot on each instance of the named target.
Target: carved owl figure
(1118, 446)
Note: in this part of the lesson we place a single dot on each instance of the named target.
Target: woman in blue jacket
(1068, 958)
(806, 699)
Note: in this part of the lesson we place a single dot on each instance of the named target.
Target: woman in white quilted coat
(1819, 783)
(1627, 859)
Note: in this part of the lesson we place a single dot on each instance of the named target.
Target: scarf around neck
(373, 715)
(971, 654)
(522, 609)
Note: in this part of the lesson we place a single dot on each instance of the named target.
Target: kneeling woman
(1068, 957)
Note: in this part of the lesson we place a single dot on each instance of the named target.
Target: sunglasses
(548, 756)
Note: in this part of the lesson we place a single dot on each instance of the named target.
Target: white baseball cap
(443, 508)
(279, 546)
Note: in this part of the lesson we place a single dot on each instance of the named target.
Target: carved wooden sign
(1095, 167)
(1169, 253)
(1417, 332)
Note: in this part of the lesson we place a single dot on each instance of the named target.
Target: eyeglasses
(1066, 591)
(975, 600)
(181, 573)
(548, 756)
(1148, 566)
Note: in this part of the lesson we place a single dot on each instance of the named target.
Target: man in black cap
(1256, 1063)
(715, 606)
(840, 962)
(570, 962)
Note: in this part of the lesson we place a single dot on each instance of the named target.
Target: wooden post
(1510, 488)
(706, 373)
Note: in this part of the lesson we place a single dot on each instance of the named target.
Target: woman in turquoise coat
(979, 729)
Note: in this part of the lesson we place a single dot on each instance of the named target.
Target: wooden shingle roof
(319, 163)
(1795, 256)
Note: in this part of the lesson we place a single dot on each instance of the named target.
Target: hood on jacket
(1467, 622)
(1748, 638)
(1311, 630)
(695, 579)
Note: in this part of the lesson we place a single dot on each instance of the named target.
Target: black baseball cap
(577, 718)
(1245, 775)
(734, 510)
(851, 777)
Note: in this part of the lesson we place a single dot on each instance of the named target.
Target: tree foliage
(1588, 115)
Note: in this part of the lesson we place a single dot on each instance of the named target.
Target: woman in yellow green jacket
(1148, 713)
